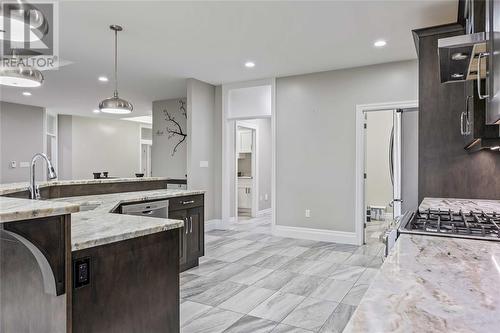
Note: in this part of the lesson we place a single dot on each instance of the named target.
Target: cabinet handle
(479, 57)
(191, 222)
(185, 225)
(187, 202)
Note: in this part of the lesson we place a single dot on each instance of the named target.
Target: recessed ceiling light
(26, 93)
(249, 64)
(380, 43)
(103, 79)
(97, 111)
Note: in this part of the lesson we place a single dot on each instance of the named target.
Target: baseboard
(264, 212)
(316, 234)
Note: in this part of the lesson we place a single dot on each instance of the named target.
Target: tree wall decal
(175, 130)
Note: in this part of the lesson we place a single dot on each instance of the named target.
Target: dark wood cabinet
(190, 209)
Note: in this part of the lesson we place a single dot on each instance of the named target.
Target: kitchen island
(435, 284)
(122, 270)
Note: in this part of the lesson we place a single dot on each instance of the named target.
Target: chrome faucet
(34, 190)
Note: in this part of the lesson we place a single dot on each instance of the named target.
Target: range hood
(459, 57)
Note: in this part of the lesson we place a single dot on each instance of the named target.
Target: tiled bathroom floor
(252, 282)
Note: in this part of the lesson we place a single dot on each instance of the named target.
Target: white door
(395, 162)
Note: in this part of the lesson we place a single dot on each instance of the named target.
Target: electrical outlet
(13, 164)
(308, 213)
(203, 164)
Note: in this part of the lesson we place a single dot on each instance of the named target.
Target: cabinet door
(242, 197)
(196, 234)
(245, 141)
(181, 215)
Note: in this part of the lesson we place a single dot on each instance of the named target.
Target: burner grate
(477, 224)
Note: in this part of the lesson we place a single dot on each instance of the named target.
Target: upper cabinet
(244, 141)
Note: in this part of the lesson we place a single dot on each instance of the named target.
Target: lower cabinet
(192, 241)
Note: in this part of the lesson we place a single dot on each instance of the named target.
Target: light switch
(203, 164)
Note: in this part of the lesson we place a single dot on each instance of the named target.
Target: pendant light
(21, 76)
(116, 104)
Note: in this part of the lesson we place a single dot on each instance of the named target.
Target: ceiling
(163, 43)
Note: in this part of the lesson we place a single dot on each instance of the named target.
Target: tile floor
(252, 282)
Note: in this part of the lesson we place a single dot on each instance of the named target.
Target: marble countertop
(13, 209)
(95, 225)
(455, 205)
(17, 187)
(433, 284)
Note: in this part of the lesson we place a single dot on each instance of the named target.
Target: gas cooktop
(475, 225)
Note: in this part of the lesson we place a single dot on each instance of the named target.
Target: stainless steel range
(437, 222)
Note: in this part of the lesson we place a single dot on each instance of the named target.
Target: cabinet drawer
(186, 202)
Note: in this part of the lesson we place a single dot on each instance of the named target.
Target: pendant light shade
(21, 77)
(116, 104)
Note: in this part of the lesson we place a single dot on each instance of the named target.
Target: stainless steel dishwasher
(150, 209)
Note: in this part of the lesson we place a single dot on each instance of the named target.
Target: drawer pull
(187, 202)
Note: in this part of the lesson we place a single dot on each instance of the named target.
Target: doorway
(246, 176)
(387, 164)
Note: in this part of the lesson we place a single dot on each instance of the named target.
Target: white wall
(201, 163)
(22, 134)
(315, 124)
(97, 145)
(166, 163)
(378, 183)
(250, 102)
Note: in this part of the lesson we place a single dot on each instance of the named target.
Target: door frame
(255, 167)
(228, 124)
(359, 193)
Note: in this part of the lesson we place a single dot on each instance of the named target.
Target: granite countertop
(466, 205)
(95, 224)
(433, 284)
(13, 209)
(18, 187)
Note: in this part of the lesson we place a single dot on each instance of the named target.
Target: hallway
(251, 281)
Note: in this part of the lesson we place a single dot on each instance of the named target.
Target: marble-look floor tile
(293, 251)
(247, 299)
(220, 241)
(282, 328)
(332, 290)
(208, 267)
(251, 275)
(273, 248)
(187, 277)
(337, 257)
(273, 262)
(191, 310)
(316, 253)
(354, 295)
(240, 243)
(255, 236)
(339, 319)
(297, 265)
(227, 272)
(311, 314)
(320, 268)
(370, 249)
(302, 285)
(220, 232)
(214, 321)
(197, 286)
(367, 276)
(377, 262)
(276, 280)
(359, 260)
(250, 324)
(241, 235)
(277, 307)
(234, 255)
(345, 248)
(347, 273)
(254, 258)
(218, 293)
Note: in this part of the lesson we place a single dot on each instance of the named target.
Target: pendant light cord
(116, 63)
